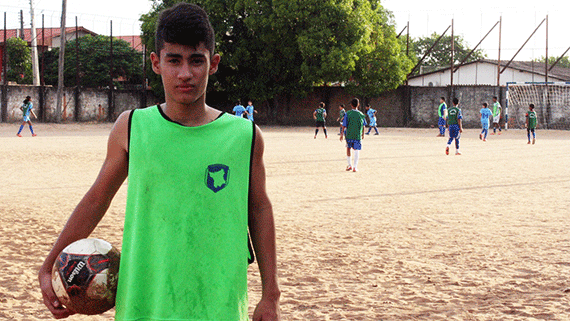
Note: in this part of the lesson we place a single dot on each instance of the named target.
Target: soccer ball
(85, 275)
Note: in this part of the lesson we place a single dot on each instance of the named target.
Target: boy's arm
(36, 117)
(90, 209)
(262, 229)
(460, 123)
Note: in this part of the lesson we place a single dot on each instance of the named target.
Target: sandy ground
(414, 235)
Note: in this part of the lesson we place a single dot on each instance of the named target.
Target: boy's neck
(191, 115)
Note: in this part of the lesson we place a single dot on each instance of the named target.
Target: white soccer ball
(85, 275)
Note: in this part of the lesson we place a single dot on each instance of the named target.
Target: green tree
(440, 56)
(564, 62)
(93, 58)
(286, 47)
(385, 66)
(19, 62)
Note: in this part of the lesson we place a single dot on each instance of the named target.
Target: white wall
(480, 73)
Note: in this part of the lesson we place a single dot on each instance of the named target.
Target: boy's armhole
(129, 132)
(251, 257)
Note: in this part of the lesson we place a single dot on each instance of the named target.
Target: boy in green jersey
(496, 115)
(172, 267)
(341, 113)
(320, 115)
(442, 116)
(531, 123)
(454, 121)
(353, 125)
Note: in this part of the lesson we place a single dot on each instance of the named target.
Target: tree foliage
(93, 57)
(564, 62)
(19, 62)
(285, 47)
(440, 56)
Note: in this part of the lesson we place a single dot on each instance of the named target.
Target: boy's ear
(214, 62)
(155, 61)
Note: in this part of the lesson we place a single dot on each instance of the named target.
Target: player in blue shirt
(250, 110)
(485, 113)
(27, 110)
(239, 110)
(454, 119)
(372, 117)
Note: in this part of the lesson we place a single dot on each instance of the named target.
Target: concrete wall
(425, 101)
(405, 106)
(91, 105)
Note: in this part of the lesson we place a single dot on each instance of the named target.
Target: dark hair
(354, 102)
(455, 101)
(485, 105)
(531, 106)
(495, 97)
(442, 98)
(341, 105)
(321, 104)
(184, 24)
(27, 100)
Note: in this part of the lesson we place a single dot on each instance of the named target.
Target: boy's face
(184, 71)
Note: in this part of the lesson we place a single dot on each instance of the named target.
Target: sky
(471, 20)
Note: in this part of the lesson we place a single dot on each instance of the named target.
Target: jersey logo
(217, 177)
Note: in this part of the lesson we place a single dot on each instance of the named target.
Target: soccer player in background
(250, 110)
(531, 123)
(372, 119)
(320, 115)
(496, 115)
(454, 119)
(485, 113)
(442, 114)
(353, 124)
(184, 254)
(341, 113)
(239, 110)
(26, 111)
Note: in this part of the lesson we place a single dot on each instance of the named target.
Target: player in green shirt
(531, 123)
(454, 121)
(496, 115)
(320, 115)
(341, 113)
(353, 125)
(185, 58)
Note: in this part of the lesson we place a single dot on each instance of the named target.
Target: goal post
(551, 101)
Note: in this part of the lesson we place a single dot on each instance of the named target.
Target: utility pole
(35, 65)
(60, 65)
(22, 35)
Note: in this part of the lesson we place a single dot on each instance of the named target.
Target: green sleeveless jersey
(441, 109)
(184, 253)
(320, 114)
(531, 115)
(354, 123)
(496, 109)
(453, 115)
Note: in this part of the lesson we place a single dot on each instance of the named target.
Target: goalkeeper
(530, 123)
